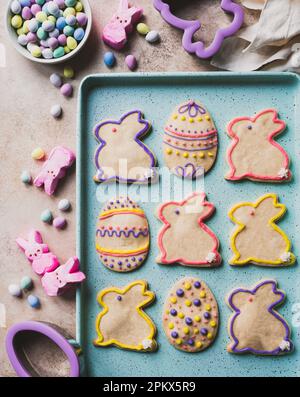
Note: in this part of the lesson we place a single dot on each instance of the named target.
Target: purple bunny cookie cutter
(191, 27)
(18, 356)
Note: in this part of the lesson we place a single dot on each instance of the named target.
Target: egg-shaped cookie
(122, 235)
(190, 141)
(190, 315)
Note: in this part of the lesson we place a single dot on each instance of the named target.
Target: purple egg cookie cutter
(191, 27)
(18, 359)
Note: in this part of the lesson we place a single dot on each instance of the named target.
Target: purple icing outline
(188, 175)
(191, 27)
(200, 149)
(141, 134)
(206, 138)
(118, 233)
(46, 330)
(270, 310)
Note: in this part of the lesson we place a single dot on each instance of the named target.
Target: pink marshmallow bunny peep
(38, 253)
(54, 168)
(56, 282)
(115, 32)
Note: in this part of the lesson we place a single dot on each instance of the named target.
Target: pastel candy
(109, 59)
(59, 222)
(142, 28)
(46, 216)
(26, 283)
(38, 154)
(122, 235)
(16, 21)
(64, 205)
(14, 290)
(47, 53)
(33, 301)
(190, 315)
(68, 72)
(56, 80)
(15, 7)
(131, 62)
(26, 177)
(54, 168)
(152, 36)
(66, 90)
(56, 111)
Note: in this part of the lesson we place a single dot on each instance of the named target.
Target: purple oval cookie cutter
(20, 363)
(191, 27)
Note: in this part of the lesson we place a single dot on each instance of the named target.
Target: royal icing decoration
(56, 278)
(185, 238)
(123, 322)
(190, 315)
(257, 239)
(121, 155)
(190, 141)
(253, 153)
(255, 327)
(191, 28)
(122, 235)
(121, 24)
(54, 169)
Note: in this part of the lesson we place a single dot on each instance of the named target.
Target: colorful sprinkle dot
(180, 315)
(183, 118)
(213, 323)
(201, 155)
(210, 154)
(173, 312)
(175, 116)
(178, 341)
(206, 315)
(174, 334)
(173, 299)
(119, 298)
(191, 120)
(188, 303)
(187, 286)
(197, 319)
(197, 302)
(196, 331)
(188, 321)
(197, 284)
(199, 344)
(202, 294)
(191, 342)
(185, 155)
(186, 330)
(180, 292)
(204, 331)
(169, 151)
(208, 307)
(209, 335)
(171, 325)
(207, 118)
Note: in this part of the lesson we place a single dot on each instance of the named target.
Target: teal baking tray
(226, 96)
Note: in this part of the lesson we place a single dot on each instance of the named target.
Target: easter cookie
(255, 327)
(54, 169)
(122, 235)
(253, 153)
(190, 140)
(257, 239)
(185, 239)
(123, 322)
(191, 316)
(121, 155)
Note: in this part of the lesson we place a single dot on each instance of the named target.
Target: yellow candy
(171, 325)
(25, 27)
(20, 31)
(185, 155)
(188, 303)
(16, 21)
(41, 16)
(78, 6)
(67, 49)
(38, 154)
(207, 118)
(187, 286)
(51, 18)
(201, 155)
(199, 344)
(199, 119)
(191, 120)
(180, 315)
(68, 72)
(178, 341)
(36, 51)
(69, 11)
(202, 294)
(196, 331)
(169, 151)
(175, 116)
(183, 118)
(142, 28)
(186, 330)
(71, 43)
(197, 319)
(173, 299)
(209, 335)
(213, 323)
(208, 307)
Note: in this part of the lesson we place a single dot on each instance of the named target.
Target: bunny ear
(123, 6)
(22, 243)
(133, 11)
(35, 237)
(75, 277)
(72, 265)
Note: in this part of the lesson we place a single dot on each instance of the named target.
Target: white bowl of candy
(49, 31)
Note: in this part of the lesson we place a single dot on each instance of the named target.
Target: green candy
(26, 283)
(70, 3)
(59, 52)
(40, 2)
(41, 34)
(46, 216)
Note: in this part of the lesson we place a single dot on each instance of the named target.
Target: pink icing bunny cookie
(54, 169)
(254, 154)
(115, 32)
(58, 281)
(184, 238)
(38, 253)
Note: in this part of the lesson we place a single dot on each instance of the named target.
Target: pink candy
(59, 222)
(35, 8)
(62, 39)
(81, 18)
(131, 62)
(66, 89)
(26, 13)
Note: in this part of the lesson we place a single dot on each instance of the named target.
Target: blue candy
(61, 23)
(33, 301)
(79, 34)
(109, 59)
(25, 3)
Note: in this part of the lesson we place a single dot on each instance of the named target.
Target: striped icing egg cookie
(191, 316)
(190, 140)
(122, 235)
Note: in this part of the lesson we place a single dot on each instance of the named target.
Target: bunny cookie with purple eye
(115, 32)
(57, 282)
(38, 253)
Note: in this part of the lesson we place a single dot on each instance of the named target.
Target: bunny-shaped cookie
(255, 326)
(38, 253)
(123, 322)
(54, 168)
(115, 32)
(257, 239)
(56, 282)
(121, 155)
(254, 154)
(184, 238)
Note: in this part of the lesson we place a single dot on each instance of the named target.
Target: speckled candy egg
(122, 235)
(191, 317)
(190, 141)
